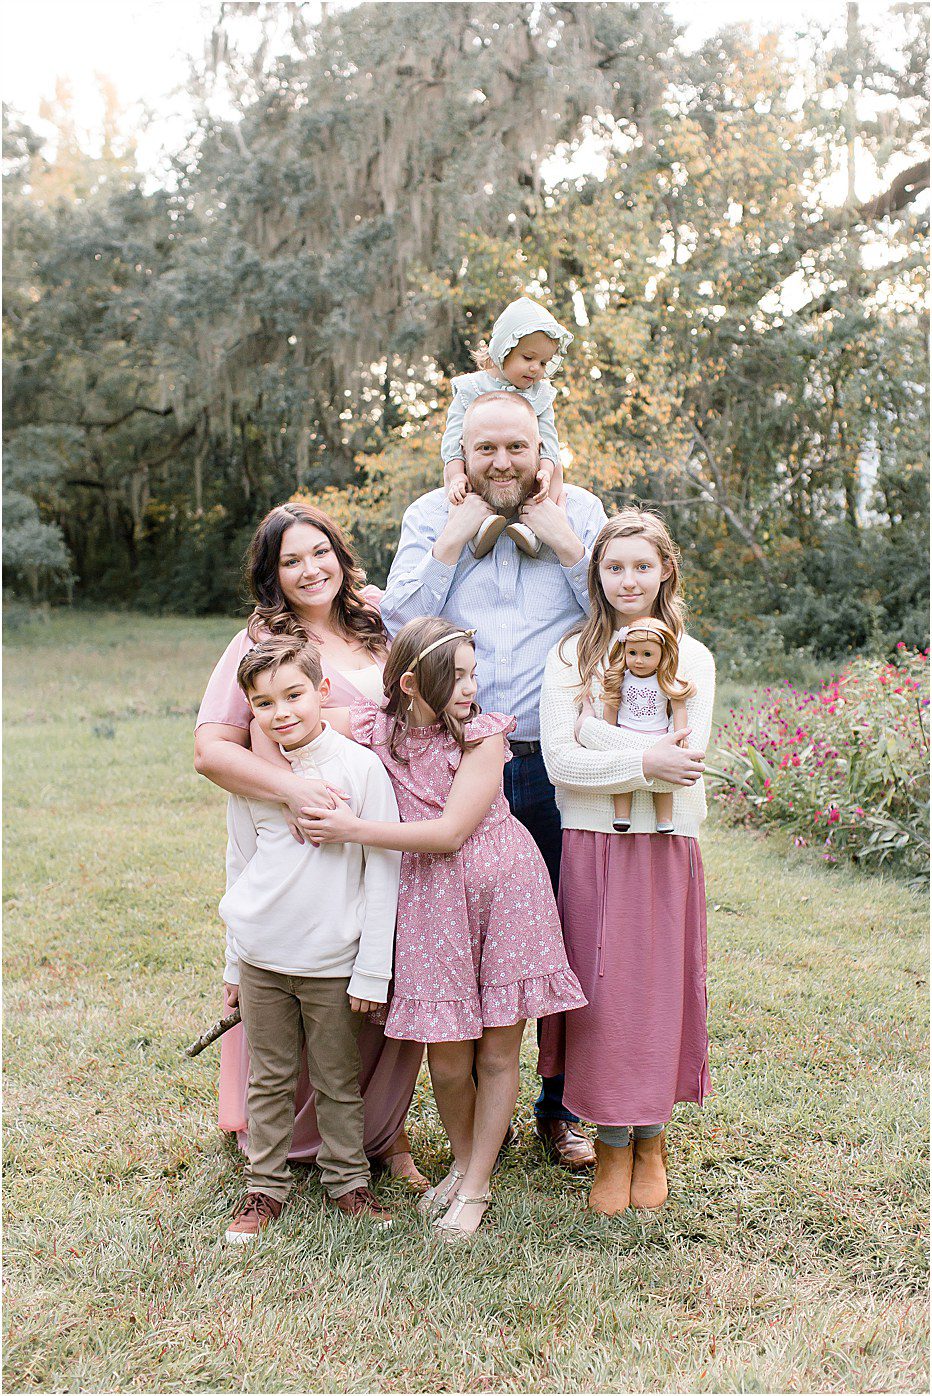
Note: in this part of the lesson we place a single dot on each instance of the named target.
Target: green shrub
(858, 590)
(20, 616)
(845, 768)
(850, 591)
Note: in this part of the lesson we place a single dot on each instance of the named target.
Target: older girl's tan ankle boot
(611, 1187)
(649, 1174)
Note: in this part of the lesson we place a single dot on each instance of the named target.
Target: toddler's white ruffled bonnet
(521, 318)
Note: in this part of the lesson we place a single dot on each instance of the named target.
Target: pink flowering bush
(845, 769)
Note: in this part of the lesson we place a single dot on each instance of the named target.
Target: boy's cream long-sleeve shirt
(326, 912)
(608, 760)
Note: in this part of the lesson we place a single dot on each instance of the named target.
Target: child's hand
(363, 1005)
(458, 490)
(230, 997)
(308, 792)
(544, 476)
(670, 759)
(330, 825)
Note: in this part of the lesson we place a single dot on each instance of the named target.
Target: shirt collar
(321, 747)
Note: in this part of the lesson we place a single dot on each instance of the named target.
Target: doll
(642, 693)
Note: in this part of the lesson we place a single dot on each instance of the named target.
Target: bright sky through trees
(143, 47)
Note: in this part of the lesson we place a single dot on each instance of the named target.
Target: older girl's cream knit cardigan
(605, 760)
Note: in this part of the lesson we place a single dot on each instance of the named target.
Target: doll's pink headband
(659, 632)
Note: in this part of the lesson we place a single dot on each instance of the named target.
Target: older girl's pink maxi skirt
(387, 1077)
(633, 913)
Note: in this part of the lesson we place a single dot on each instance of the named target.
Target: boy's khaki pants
(279, 1012)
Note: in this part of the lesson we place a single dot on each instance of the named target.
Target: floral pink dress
(478, 943)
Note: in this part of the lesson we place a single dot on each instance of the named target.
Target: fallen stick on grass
(213, 1032)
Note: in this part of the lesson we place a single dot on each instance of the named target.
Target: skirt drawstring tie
(600, 945)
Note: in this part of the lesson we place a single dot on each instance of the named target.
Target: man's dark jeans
(532, 800)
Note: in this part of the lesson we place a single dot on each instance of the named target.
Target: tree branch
(898, 196)
(717, 497)
(779, 493)
(118, 421)
(166, 455)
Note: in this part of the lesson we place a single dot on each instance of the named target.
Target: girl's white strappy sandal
(437, 1196)
(447, 1226)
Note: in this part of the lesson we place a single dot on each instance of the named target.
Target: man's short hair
(514, 398)
(271, 654)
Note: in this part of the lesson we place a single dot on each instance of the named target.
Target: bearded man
(520, 606)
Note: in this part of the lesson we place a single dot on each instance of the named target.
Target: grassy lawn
(792, 1255)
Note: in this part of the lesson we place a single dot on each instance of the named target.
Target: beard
(504, 496)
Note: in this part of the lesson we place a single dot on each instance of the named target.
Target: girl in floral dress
(478, 947)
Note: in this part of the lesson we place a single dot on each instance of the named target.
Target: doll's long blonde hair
(667, 681)
(595, 633)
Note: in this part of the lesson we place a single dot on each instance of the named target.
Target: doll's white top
(643, 706)
(469, 386)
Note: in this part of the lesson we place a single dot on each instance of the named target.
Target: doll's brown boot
(649, 1174)
(611, 1187)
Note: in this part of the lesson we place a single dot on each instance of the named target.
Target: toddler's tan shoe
(524, 538)
(488, 534)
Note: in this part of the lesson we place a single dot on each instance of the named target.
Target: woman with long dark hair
(305, 580)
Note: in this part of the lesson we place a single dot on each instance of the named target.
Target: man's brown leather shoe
(565, 1144)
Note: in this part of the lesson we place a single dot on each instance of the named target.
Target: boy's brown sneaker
(257, 1211)
(362, 1203)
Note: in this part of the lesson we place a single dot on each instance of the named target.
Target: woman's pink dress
(478, 943)
(389, 1068)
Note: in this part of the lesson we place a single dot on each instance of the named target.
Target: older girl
(633, 909)
(305, 581)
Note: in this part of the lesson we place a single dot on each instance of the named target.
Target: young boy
(310, 934)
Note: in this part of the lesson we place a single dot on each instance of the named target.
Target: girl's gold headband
(454, 635)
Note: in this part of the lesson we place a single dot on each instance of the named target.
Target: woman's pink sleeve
(224, 701)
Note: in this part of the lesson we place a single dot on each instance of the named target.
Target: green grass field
(792, 1255)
